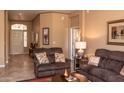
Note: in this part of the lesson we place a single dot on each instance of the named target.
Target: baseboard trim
(18, 53)
(2, 66)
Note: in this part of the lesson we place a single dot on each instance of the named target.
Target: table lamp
(80, 45)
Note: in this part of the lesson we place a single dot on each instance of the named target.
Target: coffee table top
(61, 78)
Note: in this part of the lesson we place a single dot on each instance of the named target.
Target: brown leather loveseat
(51, 68)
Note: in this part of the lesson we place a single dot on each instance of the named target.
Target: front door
(16, 42)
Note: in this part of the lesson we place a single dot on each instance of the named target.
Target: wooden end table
(78, 62)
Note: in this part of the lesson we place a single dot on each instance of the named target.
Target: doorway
(16, 42)
(74, 37)
(18, 39)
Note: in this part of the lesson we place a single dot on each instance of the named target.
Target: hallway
(20, 67)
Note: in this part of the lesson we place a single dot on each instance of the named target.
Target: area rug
(43, 79)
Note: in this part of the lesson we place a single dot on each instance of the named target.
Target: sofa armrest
(36, 65)
(35, 60)
(68, 60)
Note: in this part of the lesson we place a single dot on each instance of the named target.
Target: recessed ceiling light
(20, 15)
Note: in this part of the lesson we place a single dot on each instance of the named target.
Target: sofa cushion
(48, 67)
(51, 53)
(102, 62)
(55, 50)
(51, 58)
(102, 73)
(45, 67)
(102, 53)
(86, 67)
(39, 50)
(114, 65)
(59, 57)
(42, 58)
(115, 78)
(61, 65)
(117, 55)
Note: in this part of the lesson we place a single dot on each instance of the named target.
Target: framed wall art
(45, 35)
(115, 32)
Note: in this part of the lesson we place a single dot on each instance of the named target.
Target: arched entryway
(18, 38)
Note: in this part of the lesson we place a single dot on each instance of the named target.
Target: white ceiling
(28, 15)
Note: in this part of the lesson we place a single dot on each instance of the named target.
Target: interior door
(16, 42)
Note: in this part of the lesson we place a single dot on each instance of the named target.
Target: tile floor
(19, 67)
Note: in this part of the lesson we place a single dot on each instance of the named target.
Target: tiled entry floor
(19, 67)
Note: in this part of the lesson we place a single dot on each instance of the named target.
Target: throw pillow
(59, 57)
(42, 58)
(122, 71)
(94, 60)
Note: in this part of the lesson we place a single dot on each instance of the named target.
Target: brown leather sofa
(108, 69)
(42, 70)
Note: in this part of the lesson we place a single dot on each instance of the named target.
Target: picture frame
(115, 33)
(45, 35)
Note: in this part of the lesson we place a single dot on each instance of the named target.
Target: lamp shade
(80, 45)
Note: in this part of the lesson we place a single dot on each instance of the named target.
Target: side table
(31, 52)
(79, 62)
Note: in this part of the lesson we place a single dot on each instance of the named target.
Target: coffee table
(61, 78)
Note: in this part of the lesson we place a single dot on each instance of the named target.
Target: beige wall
(96, 29)
(7, 36)
(46, 20)
(2, 38)
(58, 29)
(36, 27)
(76, 20)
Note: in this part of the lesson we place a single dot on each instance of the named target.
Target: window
(25, 39)
(18, 27)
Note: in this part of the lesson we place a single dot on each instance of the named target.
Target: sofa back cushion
(39, 50)
(54, 50)
(116, 55)
(112, 60)
(102, 53)
(102, 62)
(50, 52)
(114, 65)
(51, 57)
